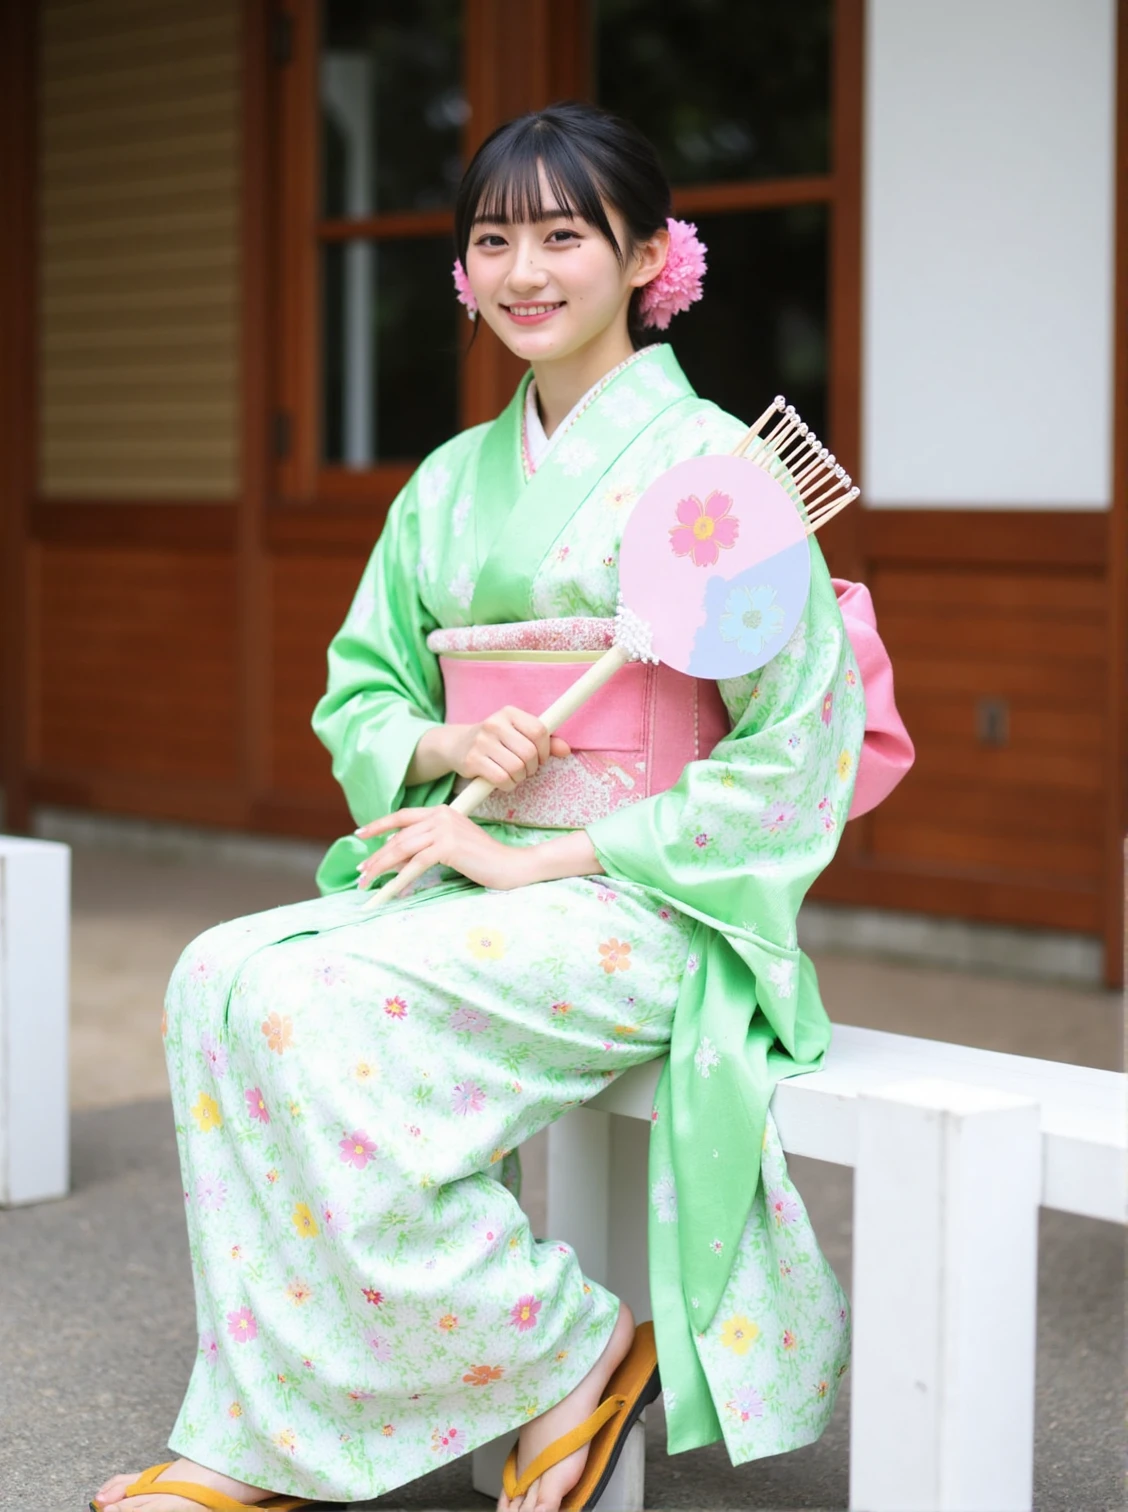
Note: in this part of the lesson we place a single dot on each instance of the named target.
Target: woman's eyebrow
(546, 213)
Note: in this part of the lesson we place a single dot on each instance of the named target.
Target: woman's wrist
(570, 855)
(433, 756)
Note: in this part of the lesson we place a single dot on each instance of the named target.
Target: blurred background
(227, 335)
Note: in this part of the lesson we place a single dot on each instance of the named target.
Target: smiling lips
(532, 314)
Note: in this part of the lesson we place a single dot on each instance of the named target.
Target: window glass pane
(392, 106)
(725, 89)
(761, 327)
(389, 355)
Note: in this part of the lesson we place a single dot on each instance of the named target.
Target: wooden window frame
(519, 55)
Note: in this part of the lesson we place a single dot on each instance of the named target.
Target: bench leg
(592, 1154)
(946, 1192)
(34, 1020)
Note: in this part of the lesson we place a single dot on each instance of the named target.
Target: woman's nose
(527, 274)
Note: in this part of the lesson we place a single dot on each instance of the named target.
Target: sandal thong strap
(205, 1496)
(559, 1449)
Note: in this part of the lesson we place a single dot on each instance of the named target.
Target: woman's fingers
(397, 820)
(494, 772)
(533, 730)
(506, 743)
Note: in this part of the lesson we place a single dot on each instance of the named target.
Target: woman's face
(552, 287)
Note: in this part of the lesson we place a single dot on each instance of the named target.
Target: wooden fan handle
(475, 793)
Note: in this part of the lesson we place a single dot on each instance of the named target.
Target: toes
(111, 1491)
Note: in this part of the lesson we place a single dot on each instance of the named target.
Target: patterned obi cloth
(631, 739)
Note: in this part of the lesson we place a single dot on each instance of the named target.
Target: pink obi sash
(887, 751)
(634, 737)
(631, 739)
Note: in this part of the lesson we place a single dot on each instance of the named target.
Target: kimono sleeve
(742, 835)
(384, 689)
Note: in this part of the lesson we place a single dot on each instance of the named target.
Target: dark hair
(589, 156)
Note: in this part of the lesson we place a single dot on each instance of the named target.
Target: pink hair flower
(679, 283)
(464, 291)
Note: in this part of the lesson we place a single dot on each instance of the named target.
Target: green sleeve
(742, 835)
(384, 691)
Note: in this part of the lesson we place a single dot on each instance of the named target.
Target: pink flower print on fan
(826, 814)
(788, 1339)
(200, 969)
(448, 1443)
(701, 840)
(523, 1313)
(467, 1097)
(851, 677)
(256, 1105)
(783, 1208)
(380, 1347)
(705, 529)
(827, 707)
(395, 1007)
(209, 1348)
(241, 1325)
(211, 1193)
(469, 1020)
(487, 1233)
(357, 1149)
(214, 1054)
(777, 817)
(328, 973)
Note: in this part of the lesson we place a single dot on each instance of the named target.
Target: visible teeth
(531, 309)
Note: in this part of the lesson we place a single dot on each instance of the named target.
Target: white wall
(989, 185)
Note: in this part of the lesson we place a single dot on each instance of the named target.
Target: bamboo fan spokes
(821, 481)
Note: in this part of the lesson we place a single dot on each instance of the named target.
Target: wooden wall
(1007, 609)
(172, 618)
(138, 249)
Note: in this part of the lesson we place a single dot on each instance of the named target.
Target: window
(736, 97)
(376, 105)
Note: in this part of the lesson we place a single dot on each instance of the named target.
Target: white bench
(964, 1145)
(34, 1020)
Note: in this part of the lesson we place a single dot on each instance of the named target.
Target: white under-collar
(537, 443)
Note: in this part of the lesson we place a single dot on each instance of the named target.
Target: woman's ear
(650, 258)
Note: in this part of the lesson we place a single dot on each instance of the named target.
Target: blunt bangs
(502, 185)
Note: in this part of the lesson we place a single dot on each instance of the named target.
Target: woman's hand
(505, 749)
(441, 835)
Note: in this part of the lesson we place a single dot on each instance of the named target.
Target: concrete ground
(97, 1332)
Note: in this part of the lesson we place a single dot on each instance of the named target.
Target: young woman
(348, 1084)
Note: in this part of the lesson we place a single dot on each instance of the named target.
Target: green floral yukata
(351, 1086)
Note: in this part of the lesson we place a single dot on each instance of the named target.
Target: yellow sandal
(203, 1496)
(634, 1384)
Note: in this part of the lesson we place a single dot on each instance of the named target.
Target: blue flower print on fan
(751, 618)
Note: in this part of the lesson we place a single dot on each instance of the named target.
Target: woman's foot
(112, 1498)
(546, 1494)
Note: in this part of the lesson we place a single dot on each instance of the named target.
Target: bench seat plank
(1083, 1120)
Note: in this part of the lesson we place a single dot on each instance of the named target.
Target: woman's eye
(562, 236)
(490, 239)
